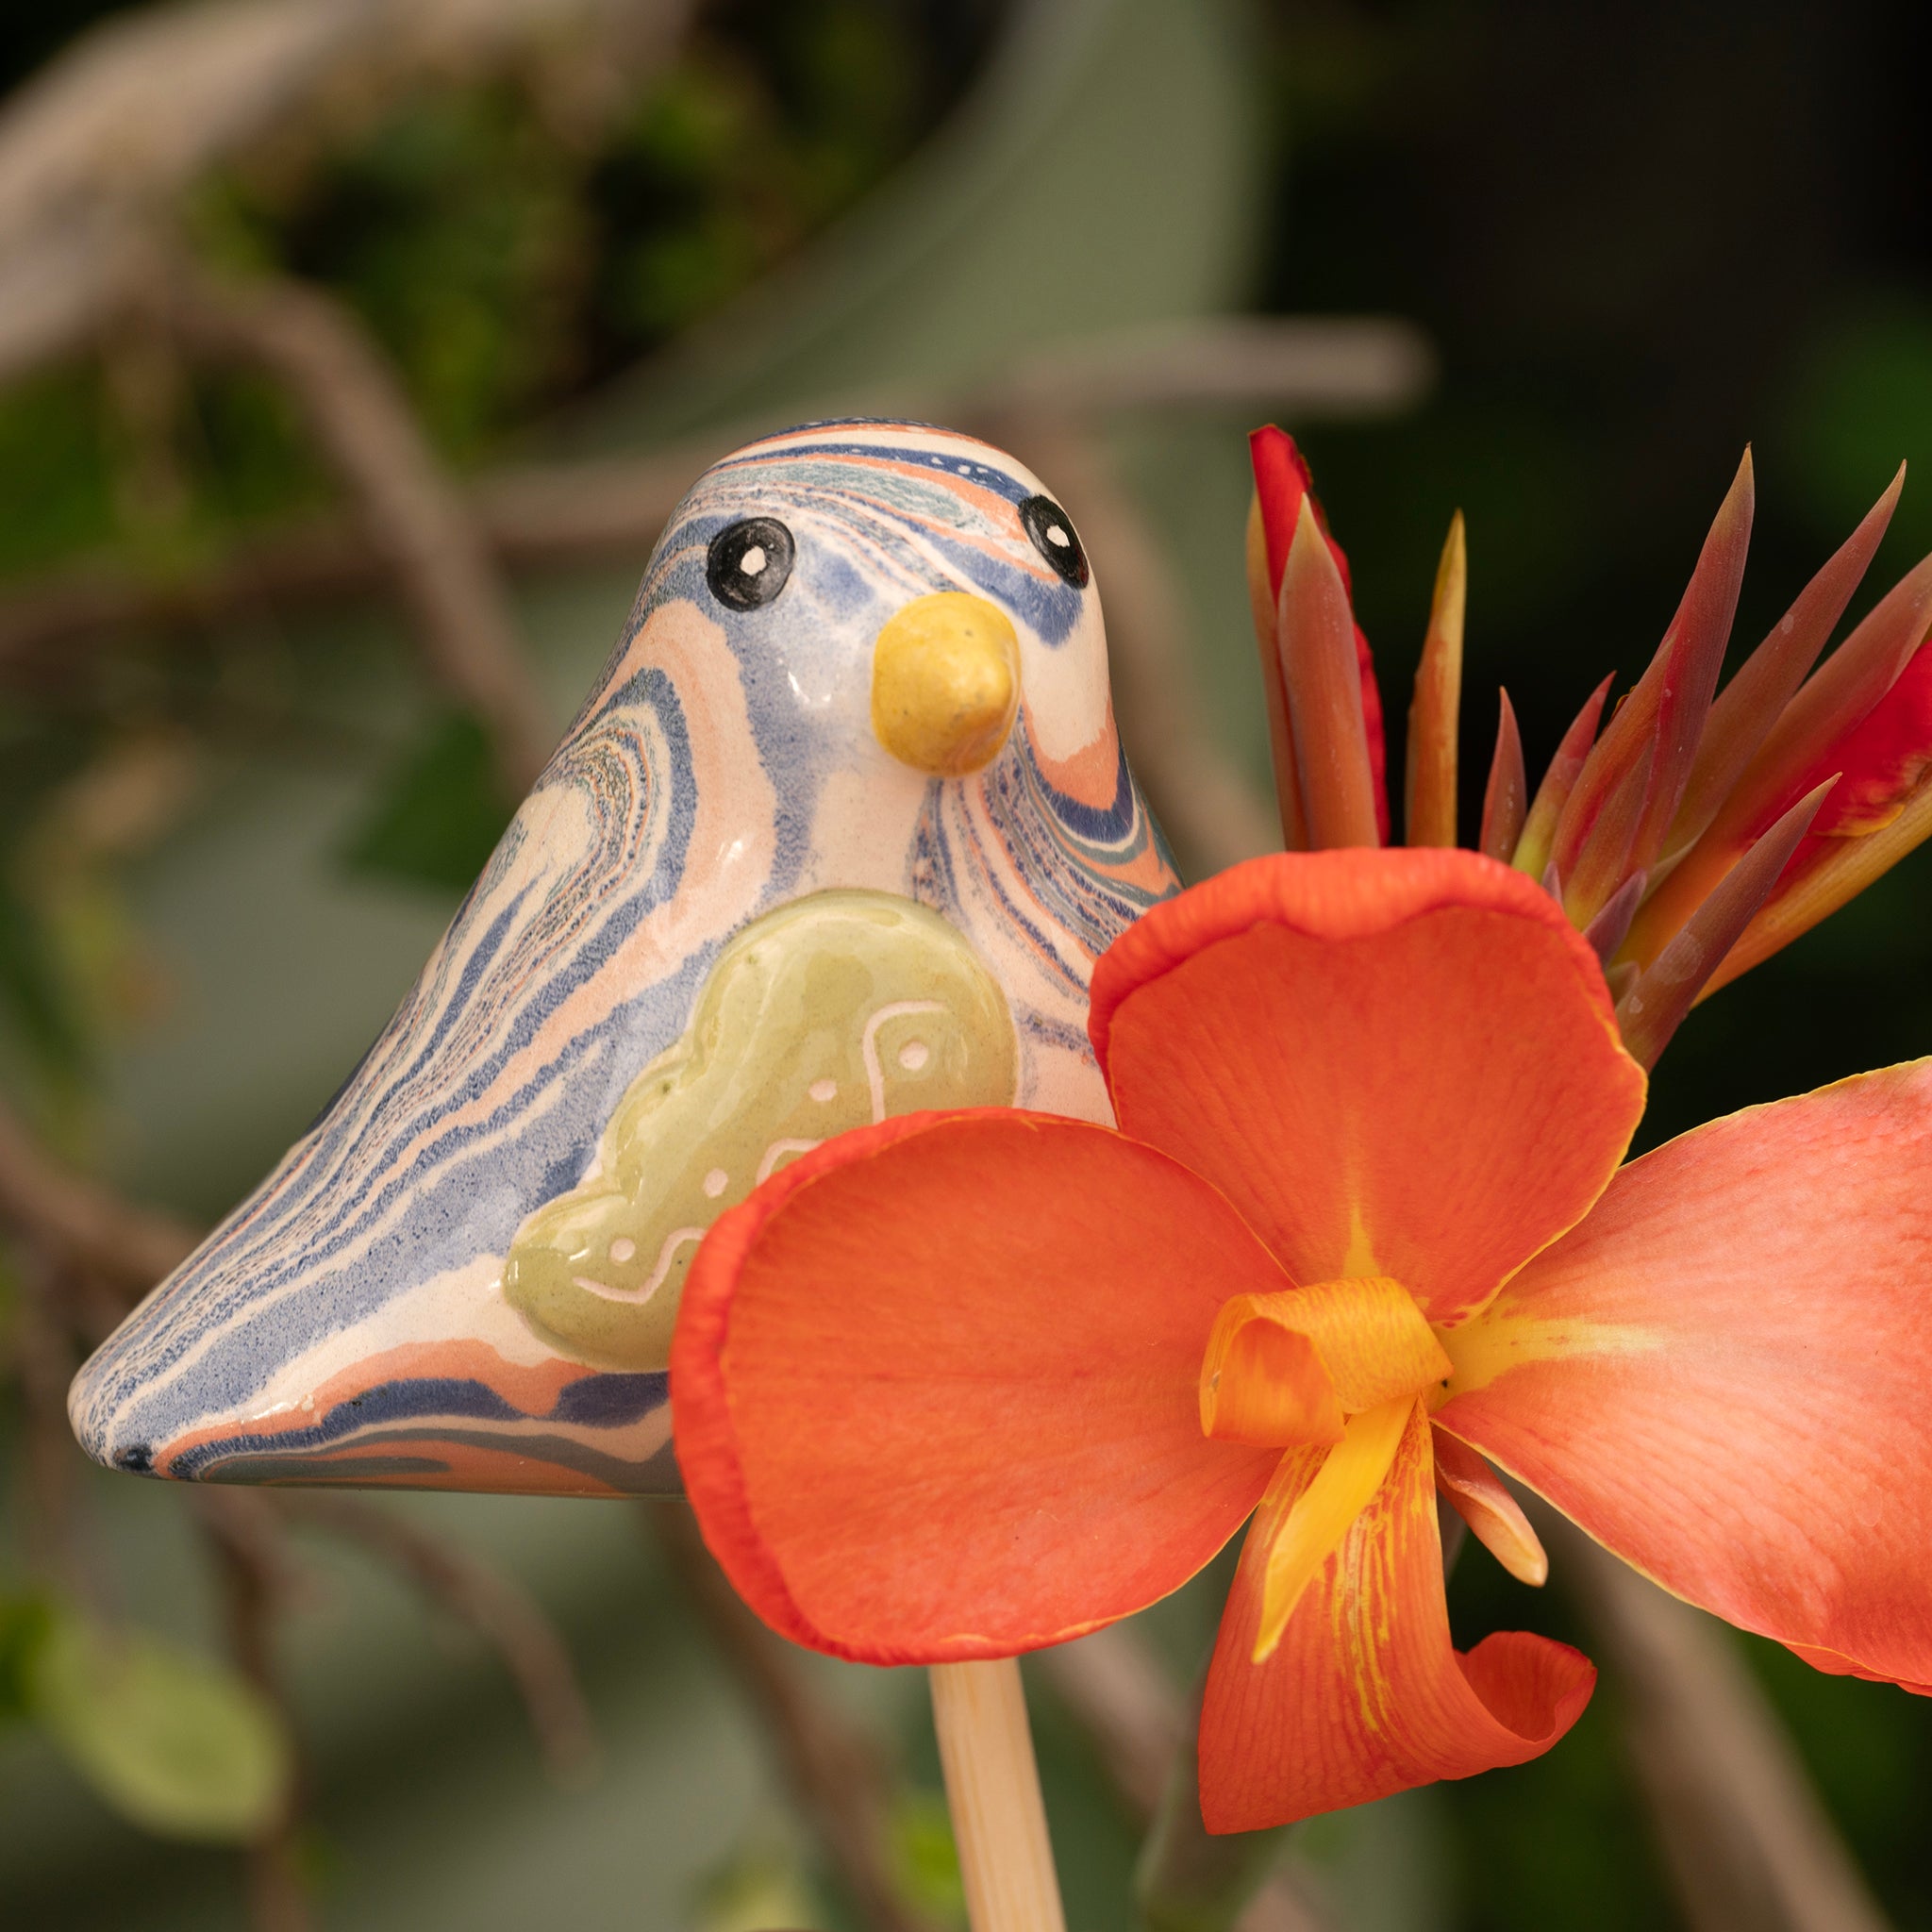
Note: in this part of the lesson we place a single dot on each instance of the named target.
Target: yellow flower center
(1336, 1365)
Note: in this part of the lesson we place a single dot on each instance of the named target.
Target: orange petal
(1374, 1341)
(1721, 1374)
(1338, 1492)
(1283, 1368)
(1833, 1665)
(1263, 1381)
(1364, 1694)
(935, 1386)
(1397, 1062)
(1476, 1492)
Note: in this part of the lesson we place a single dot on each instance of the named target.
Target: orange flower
(962, 1385)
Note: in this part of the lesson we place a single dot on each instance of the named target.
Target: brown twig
(1747, 1841)
(488, 1602)
(133, 113)
(1116, 1689)
(254, 1576)
(544, 516)
(1305, 366)
(836, 1770)
(87, 1225)
(413, 516)
(42, 1355)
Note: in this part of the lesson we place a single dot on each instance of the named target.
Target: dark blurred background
(237, 800)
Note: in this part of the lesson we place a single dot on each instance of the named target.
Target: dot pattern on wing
(837, 1009)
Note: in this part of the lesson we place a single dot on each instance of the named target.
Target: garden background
(1555, 266)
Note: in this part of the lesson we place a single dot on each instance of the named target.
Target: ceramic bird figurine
(839, 835)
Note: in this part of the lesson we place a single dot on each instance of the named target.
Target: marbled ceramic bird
(839, 835)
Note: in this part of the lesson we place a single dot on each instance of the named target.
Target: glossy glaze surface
(408, 1298)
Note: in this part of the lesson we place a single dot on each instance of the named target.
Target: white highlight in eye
(822, 1090)
(914, 1055)
(1056, 535)
(715, 1183)
(753, 560)
(622, 1249)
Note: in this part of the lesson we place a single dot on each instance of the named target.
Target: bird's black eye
(748, 562)
(1052, 531)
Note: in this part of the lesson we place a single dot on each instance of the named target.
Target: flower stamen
(1324, 1512)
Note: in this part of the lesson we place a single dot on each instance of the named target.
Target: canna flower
(962, 1385)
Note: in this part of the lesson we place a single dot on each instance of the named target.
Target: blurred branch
(255, 1577)
(834, 1767)
(42, 1355)
(414, 519)
(530, 518)
(579, 513)
(1112, 1684)
(132, 114)
(1747, 1841)
(1143, 1729)
(489, 1602)
(87, 1225)
(1305, 366)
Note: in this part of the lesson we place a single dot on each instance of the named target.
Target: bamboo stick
(993, 1790)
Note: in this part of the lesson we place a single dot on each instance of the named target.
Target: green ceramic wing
(833, 1011)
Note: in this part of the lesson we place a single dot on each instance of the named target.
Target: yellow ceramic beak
(946, 683)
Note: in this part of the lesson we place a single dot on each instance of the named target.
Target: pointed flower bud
(1281, 483)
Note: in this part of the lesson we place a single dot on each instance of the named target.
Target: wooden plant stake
(992, 1791)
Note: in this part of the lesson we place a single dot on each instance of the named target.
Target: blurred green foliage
(509, 253)
(511, 256)
(928, 1860)
(1639, 237)
(174, 1741)
(437, 817)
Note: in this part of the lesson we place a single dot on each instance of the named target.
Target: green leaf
(24, 1621)
(439, 815)
(175, 1742)
(924, 1861)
